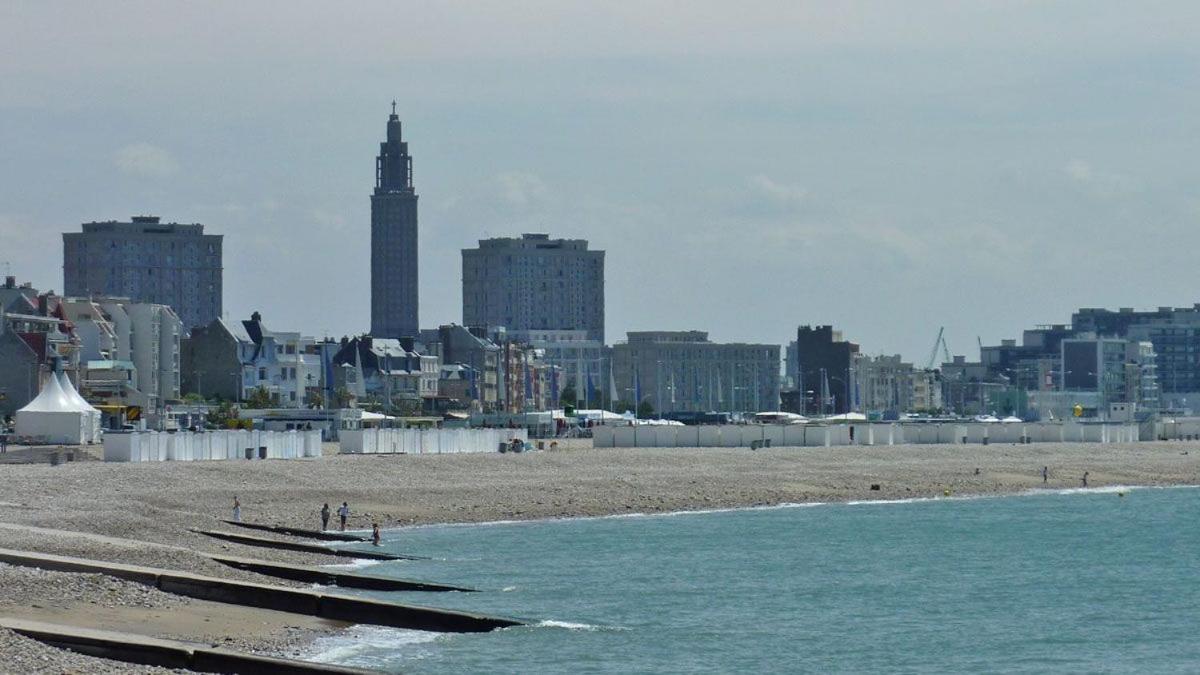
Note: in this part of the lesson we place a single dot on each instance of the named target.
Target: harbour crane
(940, 342)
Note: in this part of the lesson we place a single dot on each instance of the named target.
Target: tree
(259, 398)
(621, 406)
(568, 398)
(645, 410)
(313, 399)
(193, 397)
(342, 397)
(224, 416)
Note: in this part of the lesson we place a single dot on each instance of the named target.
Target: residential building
(230, 359)
(34, 339)
(394, 239)
(471, 347)
(147, 261)
(881, 385)
(388, 373)
(682, 371)
(584, 365)
(1173, 331)
(823, 370)
(534, 283)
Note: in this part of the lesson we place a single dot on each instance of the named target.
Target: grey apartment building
(148, 261)
(534, 283)
(682, 371)
(393, 239)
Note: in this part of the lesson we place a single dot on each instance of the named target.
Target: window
(262, 374)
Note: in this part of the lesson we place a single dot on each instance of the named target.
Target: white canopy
(73, 395)
(54, 417)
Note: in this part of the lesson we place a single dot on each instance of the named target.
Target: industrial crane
(933, 353)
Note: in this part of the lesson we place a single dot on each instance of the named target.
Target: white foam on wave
(356, 564)
(572, 625)
(364, 645)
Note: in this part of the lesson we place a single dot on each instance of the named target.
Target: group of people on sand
(343, 513)
(1046, 476)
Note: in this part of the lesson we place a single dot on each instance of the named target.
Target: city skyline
(833, 173)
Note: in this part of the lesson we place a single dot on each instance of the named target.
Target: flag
(590, 389)
(612, 387)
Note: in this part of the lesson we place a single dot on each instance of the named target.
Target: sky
(886, 167)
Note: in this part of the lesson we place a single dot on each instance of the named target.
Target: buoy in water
(946, 492)
(1120, 494)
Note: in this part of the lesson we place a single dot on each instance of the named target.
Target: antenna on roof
(393, 106)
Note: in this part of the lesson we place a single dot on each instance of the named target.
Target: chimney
(10, 282)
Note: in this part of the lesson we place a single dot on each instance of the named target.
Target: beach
(141, 513)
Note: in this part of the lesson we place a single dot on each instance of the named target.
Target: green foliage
(314, 399)
(645, 410)
(223, 416)
(259, 398)
(621, 406)
(568, 397)
(193, 398)
(342, 397)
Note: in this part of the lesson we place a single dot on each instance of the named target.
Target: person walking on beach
(325, 517)
(237, 510)
(375, 534)
(1045, 474)
(343, 514)
(1085, 475)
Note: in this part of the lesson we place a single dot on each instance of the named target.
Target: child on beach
(375, 534)
(1085, 475)
(237, 510)
(343, 514)
(325, 517)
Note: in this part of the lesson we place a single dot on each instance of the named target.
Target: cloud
(1096, 182)
(146, 160)
(521, 190)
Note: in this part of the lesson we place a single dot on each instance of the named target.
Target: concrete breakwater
(302, 547)
(166, 653)
(295, 600)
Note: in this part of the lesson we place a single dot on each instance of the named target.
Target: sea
(1096, 580)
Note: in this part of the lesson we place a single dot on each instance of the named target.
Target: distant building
(584, 364)
(681, 371)
(823, 370)
(393, 239)
(34, 338)
(534, 283)
(147, 261)
(387, 372)
(130, 351)
(230, 359)
(481, 357)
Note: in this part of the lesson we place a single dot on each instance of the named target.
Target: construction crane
(940, 342)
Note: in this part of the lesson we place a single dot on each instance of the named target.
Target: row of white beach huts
(867, 433)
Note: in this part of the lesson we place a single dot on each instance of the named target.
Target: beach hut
(53, 417)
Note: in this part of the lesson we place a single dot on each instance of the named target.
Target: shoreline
(1029, 492)
(141, 513)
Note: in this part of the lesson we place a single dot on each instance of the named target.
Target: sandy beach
(141, 513)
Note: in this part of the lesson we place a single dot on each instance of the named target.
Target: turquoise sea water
(1067, 581)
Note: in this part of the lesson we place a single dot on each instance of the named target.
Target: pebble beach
(141, 513)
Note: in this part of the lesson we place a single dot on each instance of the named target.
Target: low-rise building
(387, 373)
(682, 371)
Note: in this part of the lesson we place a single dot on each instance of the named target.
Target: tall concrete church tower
(393, 239)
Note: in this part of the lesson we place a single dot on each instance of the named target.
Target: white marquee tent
(94, 415)
(55, 417)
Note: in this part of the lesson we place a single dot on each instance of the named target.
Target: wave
(358, 563)
(363, 645)
(571, 625)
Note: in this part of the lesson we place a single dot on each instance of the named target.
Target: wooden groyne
(320, 575)
(295, 600)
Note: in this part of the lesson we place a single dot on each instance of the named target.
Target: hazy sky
(887, 167)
